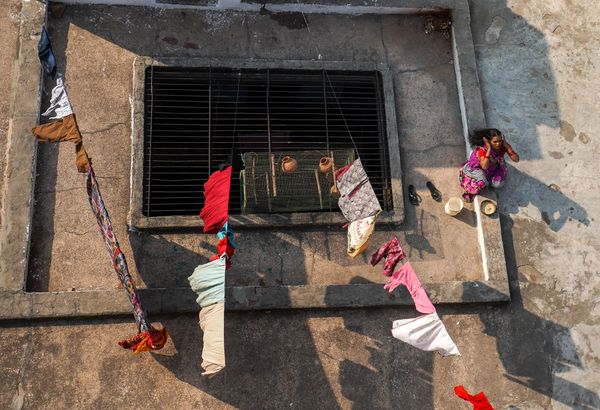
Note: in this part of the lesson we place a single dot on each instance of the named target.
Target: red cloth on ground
(223, 246)
(153, 339)
(216, 206)
(479, 401)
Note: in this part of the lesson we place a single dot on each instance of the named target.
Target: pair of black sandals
(415, 198)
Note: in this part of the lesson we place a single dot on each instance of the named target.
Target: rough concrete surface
(9, 33)
(538, 67)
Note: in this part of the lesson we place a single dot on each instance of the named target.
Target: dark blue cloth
(46, 55)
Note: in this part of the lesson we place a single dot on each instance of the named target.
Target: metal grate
(196, 118)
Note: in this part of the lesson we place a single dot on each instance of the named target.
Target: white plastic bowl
(453, 206)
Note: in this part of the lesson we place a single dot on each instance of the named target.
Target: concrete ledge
(37, 305)
(17, 205)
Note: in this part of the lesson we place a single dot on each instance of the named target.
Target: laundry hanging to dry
(208, 280)
(425, 332)
(65, 129)
(148, 337)
(216, 205)
(358, 204)
(392, 252)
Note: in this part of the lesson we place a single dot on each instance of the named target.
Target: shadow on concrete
(419, 234)
(271, 356)
(383, 373)
(162, 263)
(555, 207)
(534, 350)
(42, 233)
(271, 361)
(520, 59)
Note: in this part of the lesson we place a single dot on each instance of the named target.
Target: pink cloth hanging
(406, 276)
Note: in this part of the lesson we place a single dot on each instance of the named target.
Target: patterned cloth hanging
(148, 337)
(392, 252)
(358, 204)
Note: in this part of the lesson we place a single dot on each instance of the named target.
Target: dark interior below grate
(196, 118)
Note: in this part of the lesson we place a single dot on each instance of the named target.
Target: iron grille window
(197, 118)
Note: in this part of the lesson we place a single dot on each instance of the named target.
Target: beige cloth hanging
(212, 324)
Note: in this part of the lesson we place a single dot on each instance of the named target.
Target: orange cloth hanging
(65, 129)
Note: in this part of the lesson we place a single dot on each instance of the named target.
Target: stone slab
(37, 305)
(17, 191)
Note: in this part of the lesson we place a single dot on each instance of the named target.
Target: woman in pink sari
(486, 163)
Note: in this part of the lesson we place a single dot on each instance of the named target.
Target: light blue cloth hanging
(227, 231)
(208, 281)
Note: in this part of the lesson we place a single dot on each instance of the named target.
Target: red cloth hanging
(224, 246)
(216, 205)
(479, 401)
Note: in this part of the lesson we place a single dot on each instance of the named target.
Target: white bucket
(453, 206)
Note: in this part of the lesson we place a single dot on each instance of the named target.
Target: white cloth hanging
(212, 324)
(59, 101)
(359, 233)
(426, 332)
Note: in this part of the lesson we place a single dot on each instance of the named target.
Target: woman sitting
(486, 163)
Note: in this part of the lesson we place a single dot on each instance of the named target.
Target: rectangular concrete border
(140, 221)
(37, 305)
(15, 303)
(18, 184)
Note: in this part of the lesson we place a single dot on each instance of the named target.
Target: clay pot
(289, 164)
(325, 165)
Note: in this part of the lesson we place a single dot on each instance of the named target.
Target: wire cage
(282, 182)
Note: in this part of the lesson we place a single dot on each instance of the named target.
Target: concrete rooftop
(538, 74)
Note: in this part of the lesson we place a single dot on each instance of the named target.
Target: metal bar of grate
(189, 127)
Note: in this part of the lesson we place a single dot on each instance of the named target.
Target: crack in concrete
(78, 233)
(433, 148)
(249, 47)
(419, 69)
(61, 190)
(108, 128)
(381, 33)
(19, 398)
